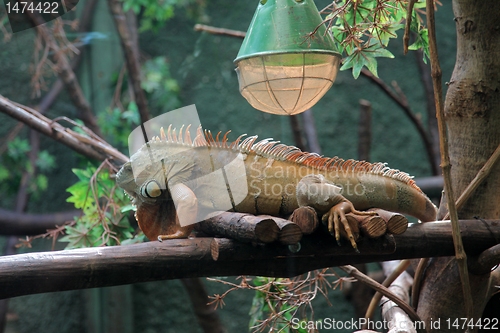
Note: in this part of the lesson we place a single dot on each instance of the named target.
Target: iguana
(278, 179)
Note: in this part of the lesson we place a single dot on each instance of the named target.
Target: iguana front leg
(186, 206)
(326, 198)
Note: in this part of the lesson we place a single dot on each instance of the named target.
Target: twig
(67, 74)
(83, 26)
(99, 150)
(208, 318)
(131, 58)
(220, 31)
(9, 137)
(15, 223)
(432, 128)
(480, 177)
(352, 271)
(297, 132)
(397, 320)
(310, 132)
(364, 130)
(436, 73)
(387, 282)
(485, 262)
(409, 113)
(406, 36)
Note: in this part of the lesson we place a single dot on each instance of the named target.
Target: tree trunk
(472, 111)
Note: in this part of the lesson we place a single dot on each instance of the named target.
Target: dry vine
(285, 297)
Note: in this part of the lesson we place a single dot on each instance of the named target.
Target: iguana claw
(181, 233)
(336, 215)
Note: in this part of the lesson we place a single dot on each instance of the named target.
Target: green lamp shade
(281, 68)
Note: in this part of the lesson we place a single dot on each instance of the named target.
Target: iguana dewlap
(278, 179)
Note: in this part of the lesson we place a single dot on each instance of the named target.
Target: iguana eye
(151, 189)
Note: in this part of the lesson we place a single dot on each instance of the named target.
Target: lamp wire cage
(282, 67)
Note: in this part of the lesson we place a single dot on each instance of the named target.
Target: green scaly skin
(278, 180)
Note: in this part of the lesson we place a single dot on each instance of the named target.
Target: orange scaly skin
(279, 179)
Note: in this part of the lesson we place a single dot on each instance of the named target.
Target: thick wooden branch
(32, 273)
(131, 58)
(15, 223)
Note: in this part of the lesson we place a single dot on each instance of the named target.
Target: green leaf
(366, 57)
(4, 173)
(386, 32)
(45, 161)
(103, 222)
(42, 182)
(127, 208)
(422, 43)
(18, 148)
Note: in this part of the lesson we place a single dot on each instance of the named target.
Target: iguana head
(146, 188)
(152, 169)
(160, 163)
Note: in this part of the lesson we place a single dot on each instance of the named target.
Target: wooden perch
(243, 227)
(396, 223)
(306, 218)
(370, 226)
(250, 228)
(290, 233)
(32, 273)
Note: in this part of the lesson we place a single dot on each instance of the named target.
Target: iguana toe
(336, 218)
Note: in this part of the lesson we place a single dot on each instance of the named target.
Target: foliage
(15, 161)
(154, 13)
(362, 30)
(116, 123)
(157, 81)
(103, 222)
(105, 210)
(279, 300)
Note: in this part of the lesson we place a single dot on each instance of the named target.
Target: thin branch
(391, 312)
(310, 132)
(364, 130)
(297, 132)
(15, 223)
(406, 36)
(220, 31)
(28, 175)
(436, 73)
(352, 271)
(432, 127)
(83, 26)
(207, 317)
(82, 144)
(398, 270)
(67, 74)
(9, 137)
(486, 261)
(480, 177)
(402, 102)
(23, 274)
(131, 58)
